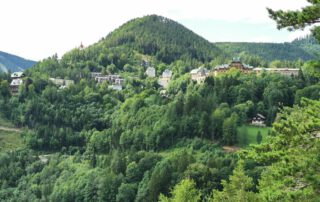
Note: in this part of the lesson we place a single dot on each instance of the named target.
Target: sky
(37, 29)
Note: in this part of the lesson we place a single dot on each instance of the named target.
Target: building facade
(16, 82)
(165, 78)
(199, 74)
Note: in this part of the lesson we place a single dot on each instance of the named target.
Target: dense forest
(87, 142)
(302, 49)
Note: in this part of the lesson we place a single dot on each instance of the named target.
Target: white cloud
(39, 28)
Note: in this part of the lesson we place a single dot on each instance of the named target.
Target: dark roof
(261, 116)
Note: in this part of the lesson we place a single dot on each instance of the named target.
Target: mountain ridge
(268, 51)
(12, 63)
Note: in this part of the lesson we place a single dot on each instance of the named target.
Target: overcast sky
(36, 29)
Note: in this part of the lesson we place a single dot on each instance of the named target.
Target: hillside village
(199, 75)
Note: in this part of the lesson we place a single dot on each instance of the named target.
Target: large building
(111, 78)
(283, 71)
(237, 64)
(116, 81)
(199, 74)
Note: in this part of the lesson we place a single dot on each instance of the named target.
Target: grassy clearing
(247, 135)
(5, 123)
(10, 140)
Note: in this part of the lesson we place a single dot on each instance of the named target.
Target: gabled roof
(16, 82)
(17, 74)
(167, 73)
(199, 70)
(261, 116)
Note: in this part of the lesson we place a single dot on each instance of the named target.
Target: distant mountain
(12, 63)
(270, 51)
(161, 37)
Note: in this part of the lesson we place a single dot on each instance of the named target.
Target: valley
(155, 112)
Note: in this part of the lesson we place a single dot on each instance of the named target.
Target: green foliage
(229, 130)
(184, 191)
(260, 54)
(291, 157)
(308, 43)
(248, 135)
(294, 20)
(138, 143)
(10, 141)
(237, 189)
(162, 38)
(311, 71)
(259, 137)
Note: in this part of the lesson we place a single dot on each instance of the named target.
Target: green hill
(155, 38)
(163, 38)
(268, 51)
(9, 62)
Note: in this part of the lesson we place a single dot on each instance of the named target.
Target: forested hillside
(272, 51)
(163, 38)
(12, 63)
(309, 44)
(88, 142)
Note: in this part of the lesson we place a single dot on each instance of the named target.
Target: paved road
(9, 129)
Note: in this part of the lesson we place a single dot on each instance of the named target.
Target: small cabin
(259, 120)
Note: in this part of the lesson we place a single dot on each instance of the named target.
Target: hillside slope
(9, 62)
(163, 38)
(268, 51)
(309, 44)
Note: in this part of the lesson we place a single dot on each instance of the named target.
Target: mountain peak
(161, 37)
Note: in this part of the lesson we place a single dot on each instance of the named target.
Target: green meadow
(247, 134)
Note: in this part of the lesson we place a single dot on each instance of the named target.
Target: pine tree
(237, 189)
(259, 137)
(294, 20)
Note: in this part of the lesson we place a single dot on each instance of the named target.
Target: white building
(115, 87)
(151, 72)
(14, 85)
(16, 75)
(111, 78)
(199, 74)
(95, 74)
(283, 71)
(16, 82)
(119, 81)
(165, 78)
(62, 83)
